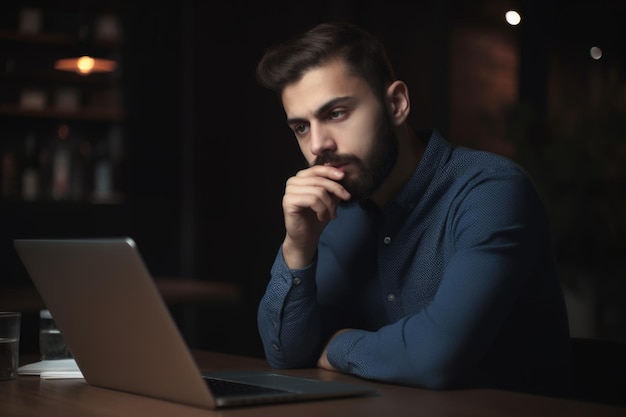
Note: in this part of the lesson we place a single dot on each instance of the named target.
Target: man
(405, 260)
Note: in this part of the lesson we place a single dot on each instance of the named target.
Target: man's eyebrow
(323, 109)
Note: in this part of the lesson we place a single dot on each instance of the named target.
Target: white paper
(52, 369)
(61, 375)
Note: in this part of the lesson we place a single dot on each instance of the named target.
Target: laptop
(122, 336)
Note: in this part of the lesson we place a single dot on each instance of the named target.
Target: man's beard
(373, 170)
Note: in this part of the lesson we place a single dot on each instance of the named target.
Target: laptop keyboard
(223, 388)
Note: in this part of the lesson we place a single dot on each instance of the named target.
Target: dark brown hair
(364, 55)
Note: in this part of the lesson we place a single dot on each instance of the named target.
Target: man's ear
(398, 101)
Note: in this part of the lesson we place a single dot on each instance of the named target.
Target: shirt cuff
(301, 280)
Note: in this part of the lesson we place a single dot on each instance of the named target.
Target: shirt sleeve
(288, 318)
(497, 231)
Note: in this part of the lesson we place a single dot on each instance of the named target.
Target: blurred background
(167, 138)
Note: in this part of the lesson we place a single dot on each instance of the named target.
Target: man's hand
(309, 204)
(323, 362)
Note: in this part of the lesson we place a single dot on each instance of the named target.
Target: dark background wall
(530, 92)
(208, 152)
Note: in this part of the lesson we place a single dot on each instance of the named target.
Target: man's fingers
(320, 202)
(304, 184)
(322, 171)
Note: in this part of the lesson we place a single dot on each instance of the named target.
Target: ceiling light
(85, 65)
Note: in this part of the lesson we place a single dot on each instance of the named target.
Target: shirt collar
(435, 155)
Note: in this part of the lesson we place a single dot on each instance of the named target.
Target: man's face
(338, 121)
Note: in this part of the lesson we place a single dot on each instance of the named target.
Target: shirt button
(296, 281)
(387, 240)
(391, 298)
(275, 347)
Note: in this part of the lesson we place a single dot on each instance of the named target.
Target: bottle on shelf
(30, 170)
(107, 154)
(82, 170)
(10, 174)
(61, 164)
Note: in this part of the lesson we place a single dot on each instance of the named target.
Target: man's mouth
(337, 161)
(340, 166)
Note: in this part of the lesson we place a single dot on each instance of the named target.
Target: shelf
(85, 114)
(174, 290)
(63, 167)
(48, 205)
(60, 39)
(55, 76)
(39, 38)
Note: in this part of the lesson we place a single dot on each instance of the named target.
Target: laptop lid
(122, 335)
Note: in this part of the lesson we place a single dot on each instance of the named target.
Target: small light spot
(595, 52)
(513, 18)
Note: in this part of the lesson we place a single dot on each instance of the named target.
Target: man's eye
(336, 114)
(300, 129)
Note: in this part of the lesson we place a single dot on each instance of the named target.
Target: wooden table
(31, 396)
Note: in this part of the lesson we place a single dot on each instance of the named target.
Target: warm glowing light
(595, 52)
(85, 65)
(513, 18)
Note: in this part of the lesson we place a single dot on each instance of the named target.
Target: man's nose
(321, 140)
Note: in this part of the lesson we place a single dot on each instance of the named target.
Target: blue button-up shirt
(452, 284)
